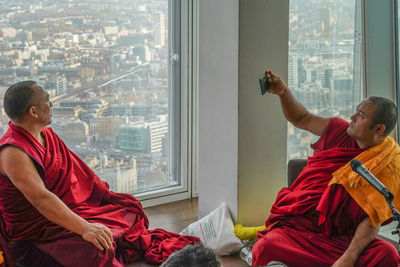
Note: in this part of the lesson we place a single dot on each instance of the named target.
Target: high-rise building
(143, 137)
(293, 77)
(159, 30)
(157, 130)
(61, 86)
(326, 19)
(134, 138)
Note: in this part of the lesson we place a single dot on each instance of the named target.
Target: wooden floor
(176, 216)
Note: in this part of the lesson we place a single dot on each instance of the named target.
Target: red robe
(68, 177)
(312, 224)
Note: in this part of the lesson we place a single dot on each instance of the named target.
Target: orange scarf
(383, 161)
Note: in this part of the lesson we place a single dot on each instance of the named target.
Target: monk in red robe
(55, 210)
(323, 218)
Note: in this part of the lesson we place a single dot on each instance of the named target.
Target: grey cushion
(295, 166)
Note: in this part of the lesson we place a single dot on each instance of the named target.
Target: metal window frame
(380, 76)
(182, 141)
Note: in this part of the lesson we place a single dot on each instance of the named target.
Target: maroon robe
(312, 224)
(68, 177)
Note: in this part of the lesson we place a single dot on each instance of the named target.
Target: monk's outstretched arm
(365, 234)
(19, 168)
(293, 110)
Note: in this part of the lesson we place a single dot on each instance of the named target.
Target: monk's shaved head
(18, 98)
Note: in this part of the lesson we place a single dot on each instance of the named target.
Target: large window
(112, 71)
(325, 62)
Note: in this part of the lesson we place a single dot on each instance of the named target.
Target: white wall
(239, 130)
(218, 104)
(263, 43)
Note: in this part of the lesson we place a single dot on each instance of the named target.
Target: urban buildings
(105, 67)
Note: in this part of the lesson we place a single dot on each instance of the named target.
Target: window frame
(379, 28)
(182, 106)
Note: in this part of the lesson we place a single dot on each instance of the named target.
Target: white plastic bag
(216, 231)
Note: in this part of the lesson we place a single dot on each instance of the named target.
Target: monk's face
(361, 124)
(42, 105)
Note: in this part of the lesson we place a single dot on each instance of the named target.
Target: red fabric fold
(68, 177)
(305, 193)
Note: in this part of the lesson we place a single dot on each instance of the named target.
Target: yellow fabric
(246, 233)
(383, 161)
(1, 257)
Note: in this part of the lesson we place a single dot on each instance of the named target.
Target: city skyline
(324, 63)
(94, 58)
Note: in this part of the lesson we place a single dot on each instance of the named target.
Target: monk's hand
(345, 261)
(99, 235)
(277, 86)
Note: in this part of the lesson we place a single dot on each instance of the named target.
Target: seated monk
(55, 209)
(330, 216)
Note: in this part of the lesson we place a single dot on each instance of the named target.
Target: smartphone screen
(264, 83)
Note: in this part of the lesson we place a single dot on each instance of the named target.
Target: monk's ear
(380, 129)
(32, 112)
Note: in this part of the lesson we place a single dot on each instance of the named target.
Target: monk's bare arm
(19, 168)
(293, 110)
(365, 234)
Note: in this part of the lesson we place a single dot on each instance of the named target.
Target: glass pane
(105, 65)
(325, 71)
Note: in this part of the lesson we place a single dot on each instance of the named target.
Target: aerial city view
(105, 66)
(324, 62)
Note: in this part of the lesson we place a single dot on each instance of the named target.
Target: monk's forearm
(292, 109)
(364, 235)
(51, 207)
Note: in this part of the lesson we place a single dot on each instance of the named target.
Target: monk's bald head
(386, 113)
(18, 98)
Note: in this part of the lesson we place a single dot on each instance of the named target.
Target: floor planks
(176, 216)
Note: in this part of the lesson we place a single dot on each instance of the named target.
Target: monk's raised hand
(277, 86)
(99, 235)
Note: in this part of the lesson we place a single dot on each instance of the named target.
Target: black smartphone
(264, 83)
